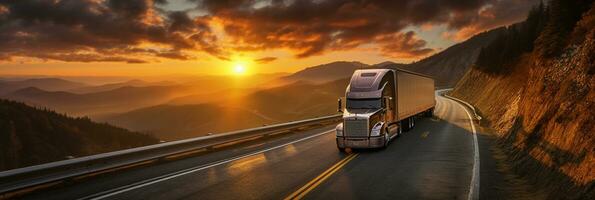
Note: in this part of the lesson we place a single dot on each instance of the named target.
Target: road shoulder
(498, 179)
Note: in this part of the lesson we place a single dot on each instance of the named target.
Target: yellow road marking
(300, 193)
(425, 134)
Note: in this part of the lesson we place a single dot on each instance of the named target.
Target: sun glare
(239, 69)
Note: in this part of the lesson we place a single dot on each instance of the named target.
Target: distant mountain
(116, 100)
(326, 72)
(212, 97)
(388, 64)
(48, 84)
(171, 122)
(299, 100)
(448, 66)
(30, 136)
(112, 86)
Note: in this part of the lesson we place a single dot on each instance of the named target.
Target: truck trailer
(380, 104)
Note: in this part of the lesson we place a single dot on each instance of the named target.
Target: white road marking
(474, 186)
(130, 187)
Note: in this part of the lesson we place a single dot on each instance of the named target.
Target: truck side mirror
(339, 108)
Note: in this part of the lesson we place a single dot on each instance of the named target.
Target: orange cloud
(117, 30)
(265, 60)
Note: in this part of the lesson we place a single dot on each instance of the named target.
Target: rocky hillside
(535, 86)
(30, 136)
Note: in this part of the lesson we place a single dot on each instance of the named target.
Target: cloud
(403, 45)
(138, 31)
(112, 30)
(313, 27)
(265, 60)
(493, 14)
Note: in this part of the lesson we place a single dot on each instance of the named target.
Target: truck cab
(371, 108)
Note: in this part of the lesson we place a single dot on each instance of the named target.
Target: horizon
(297, 99)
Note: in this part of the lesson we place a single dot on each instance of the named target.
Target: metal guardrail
(27, 177)
(467, 104)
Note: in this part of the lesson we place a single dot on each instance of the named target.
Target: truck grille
(356, 128)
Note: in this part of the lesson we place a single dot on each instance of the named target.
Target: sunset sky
(153, 37)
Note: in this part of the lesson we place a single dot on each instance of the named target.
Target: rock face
(544, 113)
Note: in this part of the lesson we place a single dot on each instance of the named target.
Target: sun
(239, 69)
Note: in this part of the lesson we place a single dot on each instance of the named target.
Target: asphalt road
(435, 160)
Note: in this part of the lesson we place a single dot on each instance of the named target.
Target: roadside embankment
(543, 112)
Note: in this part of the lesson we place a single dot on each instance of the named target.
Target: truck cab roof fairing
(366, 83)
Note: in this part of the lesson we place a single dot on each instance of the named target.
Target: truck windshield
(363, 103)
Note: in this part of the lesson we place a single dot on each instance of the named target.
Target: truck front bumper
(363, 143)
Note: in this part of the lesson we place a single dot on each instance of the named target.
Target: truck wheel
(430, 112)
(386, 140)
(400, 130)
(406, 124)
(403, 124)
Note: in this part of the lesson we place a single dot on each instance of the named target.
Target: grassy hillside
(30, 136)
(540, 97)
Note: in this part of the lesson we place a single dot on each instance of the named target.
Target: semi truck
(381, 104)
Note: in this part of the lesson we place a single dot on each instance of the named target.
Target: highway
(435, 160)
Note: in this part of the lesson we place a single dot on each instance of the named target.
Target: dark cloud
(403, 45)
(113, 30)
(493, 14)
(135, 30)
(265, 60)
(312, 27)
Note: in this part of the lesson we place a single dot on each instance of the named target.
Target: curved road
(435, 160)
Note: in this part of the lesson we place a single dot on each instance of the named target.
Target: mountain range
(48, 84)
(193, 106)
(294, 101)
(446, 67)
(116, 100)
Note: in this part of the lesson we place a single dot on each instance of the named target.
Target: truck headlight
(339, 129)
(376, 129)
